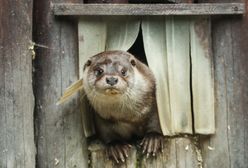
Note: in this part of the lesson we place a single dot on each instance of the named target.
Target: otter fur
(121, 90)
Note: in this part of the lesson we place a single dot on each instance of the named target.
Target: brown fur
(131, 110)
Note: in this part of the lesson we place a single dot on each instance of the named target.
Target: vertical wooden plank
(187, 153)
(17, 148)
(59, 134)
(178, 49)
(3, 155)
(72, 119)
(230, 61)
(222, 48)
(239, 151)
(177, 152)
(229, 50)
(202, 76)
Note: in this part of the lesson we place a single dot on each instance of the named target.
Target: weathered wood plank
(177, 152)
(222, 48)
(149, 9)
(60, 139)
(17, 148)
(202, 76)
(230, 36)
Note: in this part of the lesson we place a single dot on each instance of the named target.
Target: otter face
(109, 73)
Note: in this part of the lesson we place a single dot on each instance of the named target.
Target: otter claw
(152, 144)
(118, 152)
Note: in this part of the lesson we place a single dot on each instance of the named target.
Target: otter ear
(88, 63)
(133, 62)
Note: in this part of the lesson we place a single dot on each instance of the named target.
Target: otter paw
(118, 152)
(152, 144)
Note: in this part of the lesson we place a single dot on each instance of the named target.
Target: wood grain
(229, 140)
(230, 36)
(59, 133)
(17, 148)
(177, 153)
(148, 9)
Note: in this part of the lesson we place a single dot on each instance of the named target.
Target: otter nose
(111, 81)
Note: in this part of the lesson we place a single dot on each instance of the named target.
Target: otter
(121, 90)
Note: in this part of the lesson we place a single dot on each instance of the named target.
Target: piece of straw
(70, 91)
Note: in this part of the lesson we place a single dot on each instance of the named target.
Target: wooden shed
(41, 52)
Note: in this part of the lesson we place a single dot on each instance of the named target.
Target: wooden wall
(58, 129)
(230, 41)
(17, 148)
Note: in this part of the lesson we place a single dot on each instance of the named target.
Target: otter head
(109, 74)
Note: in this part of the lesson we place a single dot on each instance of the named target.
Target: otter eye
(124, 72)
(133, 62)
(99, 72)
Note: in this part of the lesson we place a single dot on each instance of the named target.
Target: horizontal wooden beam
(149, 9)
